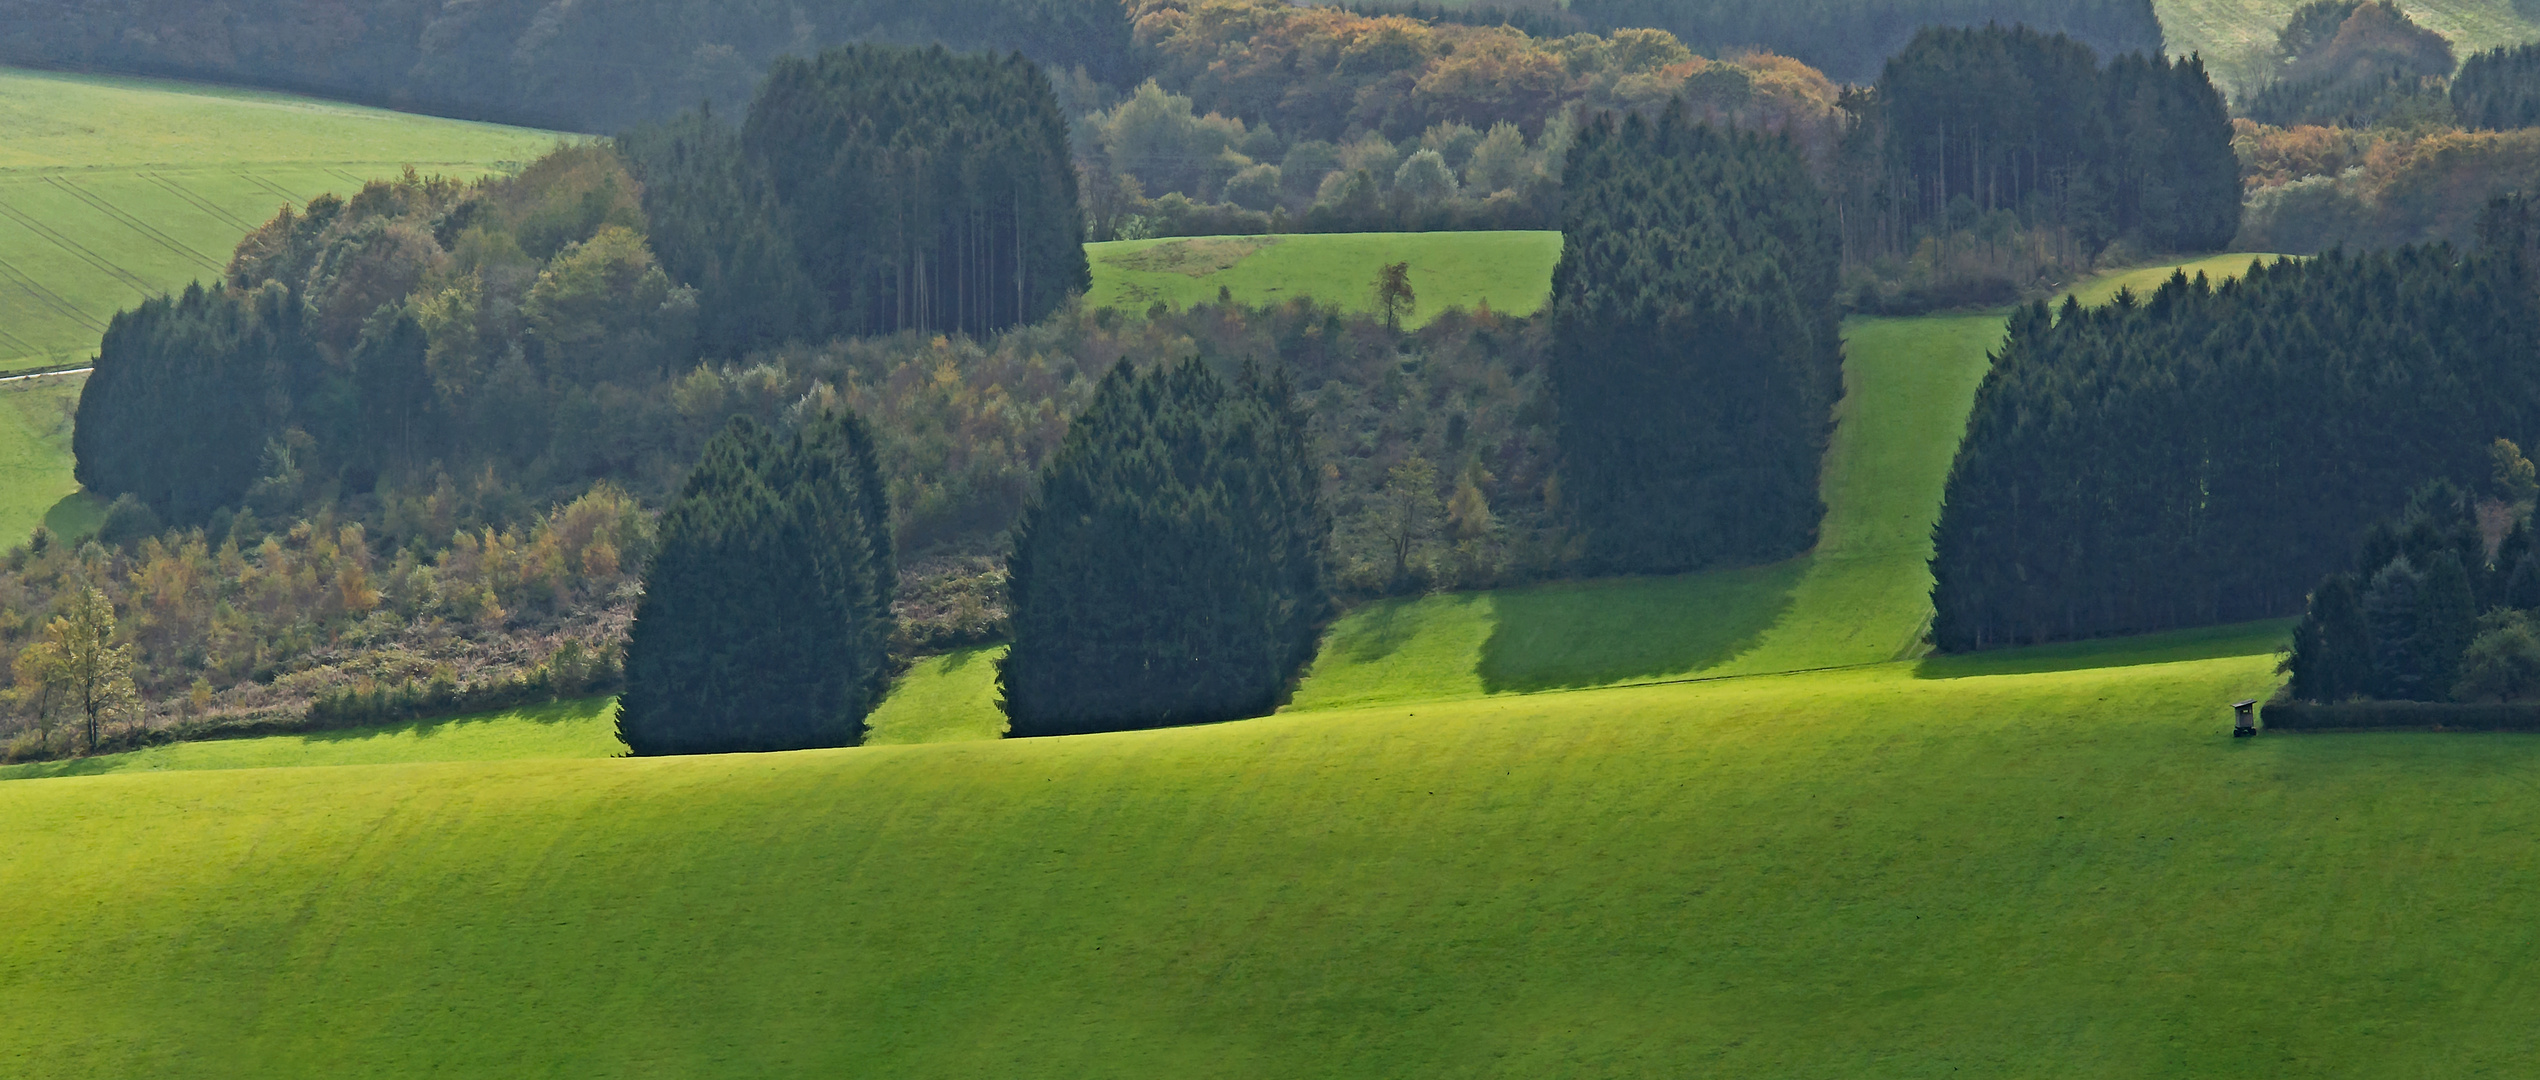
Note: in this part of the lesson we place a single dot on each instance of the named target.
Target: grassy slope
(585, 728)
(113, 189)
(1848, 874)
(1512, 271)
(2225, 32)
(2043, 862)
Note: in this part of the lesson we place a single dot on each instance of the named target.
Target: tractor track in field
(195, 200)
(148, 231)
(76, 249)
(47, 297)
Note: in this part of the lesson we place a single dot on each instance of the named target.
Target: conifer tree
(1170, 570)
(1696, 357)
(766, 613)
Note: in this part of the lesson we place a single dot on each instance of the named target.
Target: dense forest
(1696, 357)
(2436, 603)
(2195, 456)
(868, 191)
(1990, 158)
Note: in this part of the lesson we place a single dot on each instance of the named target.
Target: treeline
(870, 190)
(1696, 357)
(2201, 455)
(583, 67)
(2015, 138)
(2436, 604)
(1849, 40)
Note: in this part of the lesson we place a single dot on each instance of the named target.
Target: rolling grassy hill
(116, 189)
(2232, 34)
(1511, 271)
(2036, 862)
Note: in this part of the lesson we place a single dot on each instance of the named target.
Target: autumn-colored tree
(80, 663)
(1394, 295)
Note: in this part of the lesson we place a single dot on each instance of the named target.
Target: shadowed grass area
(580, 728)
(2264, 637)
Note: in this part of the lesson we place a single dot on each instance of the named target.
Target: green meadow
(1726, 824)
(113, 190)
(1509, 271)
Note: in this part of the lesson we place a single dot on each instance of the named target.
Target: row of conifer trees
(1171, 570)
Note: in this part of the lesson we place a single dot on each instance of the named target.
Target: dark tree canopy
(766, 613)
(2394, 622)
(2202, 455)
(1696, 355)
(1994, 118)
(870, 190)
(179, 409)
(2499, 90)
(600, 65)
(1171, 568)
(1848, 39)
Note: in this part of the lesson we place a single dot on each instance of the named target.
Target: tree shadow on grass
(2168, 647)
(1596, 633)
(550, 713)
(76, 515)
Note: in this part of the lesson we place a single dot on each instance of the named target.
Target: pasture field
(113, 190)
(2067, 873)
(2049, 861)
(1511, 271)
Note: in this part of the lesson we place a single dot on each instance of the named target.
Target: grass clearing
(1511, 271)
(116, 189)
(948, 698)
(579, 728)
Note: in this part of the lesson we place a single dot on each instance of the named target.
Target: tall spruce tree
(766, 614)
(1696, 359)
(1170, 570)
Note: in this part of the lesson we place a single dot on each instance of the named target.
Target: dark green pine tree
(1170, 570)
(1695, 351)
(766, 613)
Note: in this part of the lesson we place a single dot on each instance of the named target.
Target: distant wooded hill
(597, 66)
